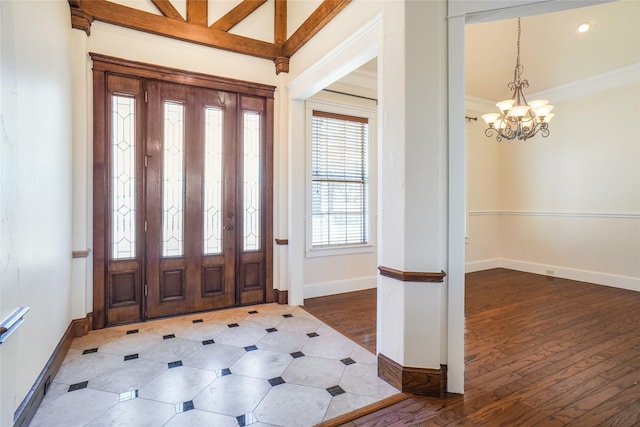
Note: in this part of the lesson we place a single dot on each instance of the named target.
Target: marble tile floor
(264, 365)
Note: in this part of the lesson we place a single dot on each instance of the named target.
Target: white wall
(35, 189)
(567, 205)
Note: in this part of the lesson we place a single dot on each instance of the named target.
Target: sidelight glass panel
(213, 182)
(251, 178)
(123, 178)
(173, 181)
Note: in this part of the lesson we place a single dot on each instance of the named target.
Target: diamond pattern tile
(268, 365)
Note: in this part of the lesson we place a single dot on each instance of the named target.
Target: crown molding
(577, 89)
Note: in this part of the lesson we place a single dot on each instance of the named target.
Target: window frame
(356, 108)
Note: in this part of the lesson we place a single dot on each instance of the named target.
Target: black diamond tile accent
(276, 381)
(286, 316)
(197, 321)
(131, 357)
(246, 419)
(253, 312)
(297, 354)
(233, 325)
(250, 348)
(78, 386)
(313, 334)
(187, 406)
(168, 337)
(271, 330)
(90, 350)
(336, 390)
(132, 331)
(128, 395)
(175, 364)
(207, 342)
(225, 372)
(348, 361)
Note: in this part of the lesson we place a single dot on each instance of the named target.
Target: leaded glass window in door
(123, 178)
(173, 181)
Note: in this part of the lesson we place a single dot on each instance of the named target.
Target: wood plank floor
(538, 352)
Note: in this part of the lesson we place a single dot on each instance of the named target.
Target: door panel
(182, 192)
(190, 200)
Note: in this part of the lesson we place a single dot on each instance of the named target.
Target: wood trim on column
(412, 276)
(282, 241)
(27, 409)
(282, 297)
(81, 20)
(419, 381)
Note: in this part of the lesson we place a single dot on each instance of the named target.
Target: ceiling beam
(280, 22)
(198, 12)
(314, 23)
(135, 19)
(167, 9)
(237, 14)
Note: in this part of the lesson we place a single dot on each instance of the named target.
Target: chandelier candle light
(517, 118)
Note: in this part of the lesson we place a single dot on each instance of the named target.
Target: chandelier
(517, 118)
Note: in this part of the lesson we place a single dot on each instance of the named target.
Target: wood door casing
(252, 273)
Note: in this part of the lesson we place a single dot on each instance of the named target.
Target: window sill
(340, 250)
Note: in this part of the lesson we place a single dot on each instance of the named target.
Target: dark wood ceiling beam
(198, 12)
(314, 23)
(280, 22)
(167, 9)
(237, 14)
(128, 17)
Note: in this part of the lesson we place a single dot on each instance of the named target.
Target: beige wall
(567, 205)
(35, 189)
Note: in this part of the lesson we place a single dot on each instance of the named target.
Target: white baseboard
(485, 264)
(599, 278)
(340, 286)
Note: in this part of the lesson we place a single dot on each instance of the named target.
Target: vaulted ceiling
(189, 20)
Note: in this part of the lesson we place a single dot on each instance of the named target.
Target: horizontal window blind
(340, 179)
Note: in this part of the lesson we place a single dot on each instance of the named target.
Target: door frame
(104, 65)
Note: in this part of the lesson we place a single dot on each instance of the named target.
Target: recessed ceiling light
(584, 27)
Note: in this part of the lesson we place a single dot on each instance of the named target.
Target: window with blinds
(340, 179)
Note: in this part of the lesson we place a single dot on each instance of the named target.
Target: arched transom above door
(210, 22)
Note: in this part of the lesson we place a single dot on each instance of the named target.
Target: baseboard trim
(596, 277)
(27, 409)
(340, 286)
(282, 297)
(419, 381)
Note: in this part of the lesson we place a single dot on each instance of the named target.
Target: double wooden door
(185, 218)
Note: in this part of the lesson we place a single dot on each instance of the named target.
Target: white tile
(78, 367)
(201, 331)
(362, 355)
(129, 375)
(232, 395)
(242, 336)
(177, 385)
(283, 341)
(135, 412)
(262, 364)
(130, 343)
(197, 418)
(170, 350)
(214, 357)
(299, 323)
(329, 345)
(75, 408)
(347, 402)
(293, 405)
(314, 371)
(361, 378)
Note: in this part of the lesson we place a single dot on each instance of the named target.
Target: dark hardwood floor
(539, 351)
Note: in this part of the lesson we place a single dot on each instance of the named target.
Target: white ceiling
(552, 51)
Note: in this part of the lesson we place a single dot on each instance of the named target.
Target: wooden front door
(185, 224)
